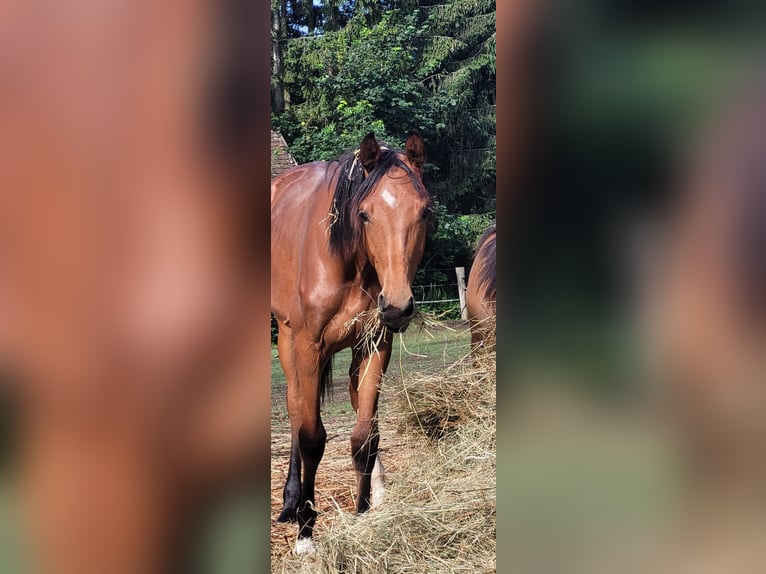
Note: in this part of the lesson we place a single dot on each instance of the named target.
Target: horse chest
(344, 328)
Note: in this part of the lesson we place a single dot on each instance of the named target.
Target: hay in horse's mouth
(372, 330)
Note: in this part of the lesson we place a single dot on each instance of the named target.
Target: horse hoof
(377, 497)
(305, 545)
(287, 515)
(378, 484)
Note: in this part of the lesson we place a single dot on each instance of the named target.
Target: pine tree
(390, 66)
(458, 69)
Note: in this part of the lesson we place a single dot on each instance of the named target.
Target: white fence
(424, 294)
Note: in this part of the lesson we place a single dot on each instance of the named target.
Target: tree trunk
(278, 26)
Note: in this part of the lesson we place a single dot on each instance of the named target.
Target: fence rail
(432, 291)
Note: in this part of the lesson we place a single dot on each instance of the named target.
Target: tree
(278, 35)
(458, 69)
(344, 84)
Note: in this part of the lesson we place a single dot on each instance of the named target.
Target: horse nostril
(410, 309)
(381, 302)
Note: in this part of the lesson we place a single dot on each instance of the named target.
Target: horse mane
(351, 189)
(486, 248)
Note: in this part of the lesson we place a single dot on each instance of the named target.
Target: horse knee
(312, 442)
(360, 439)
(364, 447)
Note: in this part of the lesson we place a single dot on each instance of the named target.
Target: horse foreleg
(377, 480)
(292, 492)
(365, 384)
(311, 439)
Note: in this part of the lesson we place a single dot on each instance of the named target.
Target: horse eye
(364, 217)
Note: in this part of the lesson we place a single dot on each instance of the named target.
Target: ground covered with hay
(438, 443)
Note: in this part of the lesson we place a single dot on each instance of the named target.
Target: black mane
(351, 189)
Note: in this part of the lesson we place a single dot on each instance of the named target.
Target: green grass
(11, 536)
(416, 350)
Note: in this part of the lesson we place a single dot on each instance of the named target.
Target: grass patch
(419, 349)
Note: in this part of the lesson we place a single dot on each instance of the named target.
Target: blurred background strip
(133, 286)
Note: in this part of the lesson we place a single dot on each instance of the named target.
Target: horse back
(303, 272)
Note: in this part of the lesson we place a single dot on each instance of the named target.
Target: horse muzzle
(394, 317)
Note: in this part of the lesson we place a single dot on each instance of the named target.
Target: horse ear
(416, 150)
(369, 152)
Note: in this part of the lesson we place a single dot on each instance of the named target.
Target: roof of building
(280, 155)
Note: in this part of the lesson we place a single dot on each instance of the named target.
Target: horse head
(392, 219)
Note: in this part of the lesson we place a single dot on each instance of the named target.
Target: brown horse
(714, 312)
(710, 321)
(346, 239)
(131, 342)
(481, 292)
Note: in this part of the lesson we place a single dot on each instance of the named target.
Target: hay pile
(439, 509)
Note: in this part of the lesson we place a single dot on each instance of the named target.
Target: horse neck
(359, 269)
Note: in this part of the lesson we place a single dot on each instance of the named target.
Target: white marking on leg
(305, 545)
(377, 482)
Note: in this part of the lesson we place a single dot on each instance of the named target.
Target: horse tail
(325, 381)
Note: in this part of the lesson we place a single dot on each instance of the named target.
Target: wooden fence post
(460, 272)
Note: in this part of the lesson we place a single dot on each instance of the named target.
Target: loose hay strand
(371, 335)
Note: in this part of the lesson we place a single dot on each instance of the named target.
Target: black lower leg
(312, 446)
(364, 455)
(307, 517)
(291, 494)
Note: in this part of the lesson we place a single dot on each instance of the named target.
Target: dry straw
(439, 512)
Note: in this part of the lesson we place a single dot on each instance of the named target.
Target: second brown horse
(346, 239)
(481, 292)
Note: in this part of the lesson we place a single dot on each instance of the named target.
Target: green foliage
(450, 245)
(395, 66)
(346, 83)
(458, 69)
